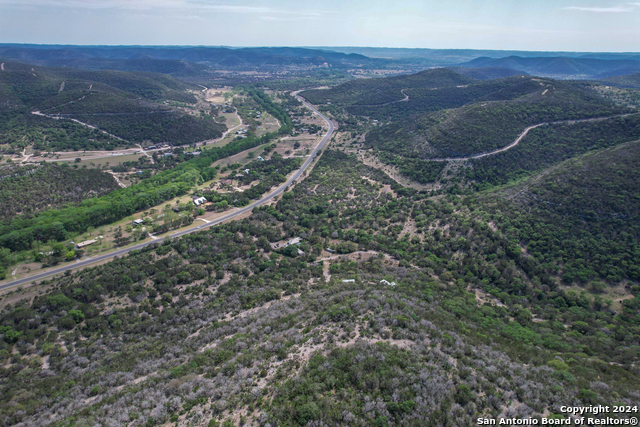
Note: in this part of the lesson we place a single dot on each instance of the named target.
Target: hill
(372, 92)
(186, 61)
(125, 104)
(509, 106)
(31, 189)
(487, 73)
(561, 67)
(580, 219)
(631, 81)
(397, 99)
(426, 313)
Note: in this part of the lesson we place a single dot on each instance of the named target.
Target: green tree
(76, 315)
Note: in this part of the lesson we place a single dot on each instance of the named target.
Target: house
(300, 253)
(387, 283)
(199, 201)
(329, 250)
(137, 222)
(349, 281)
(246, 171)
(294, 241)
(151, 147)
(167, 155)
(86, 243)
(260, 159)
(194, 153)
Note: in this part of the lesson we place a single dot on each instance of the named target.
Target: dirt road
(523, 134)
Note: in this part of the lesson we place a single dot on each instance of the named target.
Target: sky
(549, 25)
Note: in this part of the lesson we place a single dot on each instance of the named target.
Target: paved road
(212, 223)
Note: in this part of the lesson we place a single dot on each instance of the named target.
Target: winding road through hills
(296, 175)
(524, 133)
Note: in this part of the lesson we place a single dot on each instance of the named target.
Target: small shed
(137, 222)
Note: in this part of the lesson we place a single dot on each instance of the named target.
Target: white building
(294, 241)
(199, 201)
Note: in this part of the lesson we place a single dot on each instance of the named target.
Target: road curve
(524, 133)
(217, 221)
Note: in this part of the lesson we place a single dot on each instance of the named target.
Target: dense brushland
(581, 218)
(510, 292)
(487, 73)
(27, 190)
(442, 89)
(129, 106)
(486, 126)
(629, 81)
(365, 92)
(461, 121)
(548, 145)
(216, 328)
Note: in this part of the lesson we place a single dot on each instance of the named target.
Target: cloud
(193, 6)
(97, 4)
(613, 9)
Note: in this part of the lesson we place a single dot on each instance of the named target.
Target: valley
(269, 237)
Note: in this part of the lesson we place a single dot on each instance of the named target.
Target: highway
(212, 223)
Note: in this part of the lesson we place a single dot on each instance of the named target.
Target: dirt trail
(25, 155)
(524, 133)
(224, 135)
(405, 99)
(145, 153)
(115, 176)
(38, 113)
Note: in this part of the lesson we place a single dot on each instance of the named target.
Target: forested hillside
(486, 126)
(364, 92)
(629, 81)
(487, 73)
(549, 145)
(124, 104)
(402, 99)
(580, 219)
(216, 328)
(32, 189)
